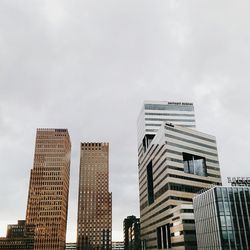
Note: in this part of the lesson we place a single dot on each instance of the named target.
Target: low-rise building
(19, 236)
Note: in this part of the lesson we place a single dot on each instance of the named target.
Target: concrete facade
(175, 161)
(178, 163)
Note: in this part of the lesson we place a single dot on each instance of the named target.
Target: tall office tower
(94, 223)
(222, 218)
(49, 188)
(175, 164)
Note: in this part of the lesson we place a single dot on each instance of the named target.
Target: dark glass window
(150, 183)
(159, 238)
(169, 243)
(227, 208)
(229, 221)
(174, 107)
(164, 237)
(146, 141)
(225, 239)
(221, 207)
(218, 194)
(194, 164)
(224, 191)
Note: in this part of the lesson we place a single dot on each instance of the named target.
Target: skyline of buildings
(94, 222)
(89, 66)
(175, 162)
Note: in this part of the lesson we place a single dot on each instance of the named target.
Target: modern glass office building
(222, 218)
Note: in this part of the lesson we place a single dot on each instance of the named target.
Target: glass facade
(170, 106)
(194, 164)
(230, 207)
(233, 210)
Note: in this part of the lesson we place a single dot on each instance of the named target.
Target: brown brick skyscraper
(49, 187)
(94, 224)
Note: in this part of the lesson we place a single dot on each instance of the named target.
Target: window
(150, 183)
(163, 237)
(146, 141)
(194, 164)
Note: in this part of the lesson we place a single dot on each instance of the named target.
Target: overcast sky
(89, 65)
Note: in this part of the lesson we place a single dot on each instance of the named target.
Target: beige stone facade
(49, 188)
(178, 163)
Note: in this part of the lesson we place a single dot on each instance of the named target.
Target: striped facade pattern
(153, 114)
(171, 185)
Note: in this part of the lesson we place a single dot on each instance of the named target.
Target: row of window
(170, 114)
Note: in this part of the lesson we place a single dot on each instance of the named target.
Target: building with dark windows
(222, 218)
(19, 236)
(135, 238)
(174, 162)
(47, 205)
(131, 231)
(94, 223)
